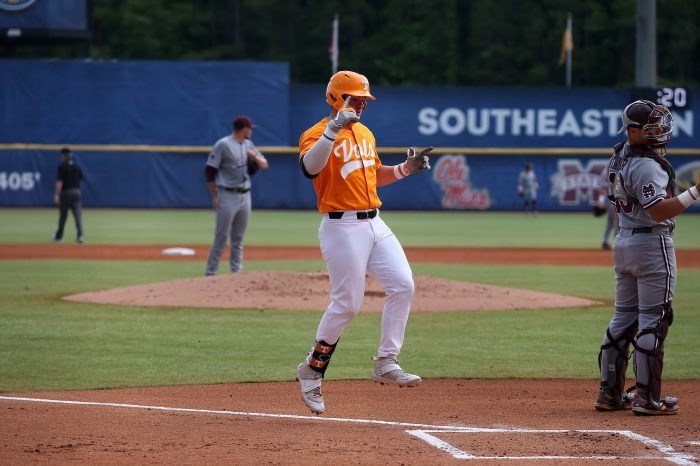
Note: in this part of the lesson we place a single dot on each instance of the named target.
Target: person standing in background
(527, 188)
(605, 207)
(228, 173)
(67, 195)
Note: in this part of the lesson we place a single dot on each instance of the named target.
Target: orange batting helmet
(345, 83)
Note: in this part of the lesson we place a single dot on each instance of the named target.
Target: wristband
(327, 137)
(397, 173)
(404, 169)
(687, 198)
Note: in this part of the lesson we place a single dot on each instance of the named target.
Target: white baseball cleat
(387, 370)
(310, 383)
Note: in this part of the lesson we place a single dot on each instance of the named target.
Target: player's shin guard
(320, 356)
(650, 355)
(616, 353)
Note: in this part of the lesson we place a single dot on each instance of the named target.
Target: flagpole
(569, 49)
(334, 45)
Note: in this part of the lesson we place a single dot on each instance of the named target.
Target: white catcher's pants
(351, 248)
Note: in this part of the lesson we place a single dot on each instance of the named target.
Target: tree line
(399, 42)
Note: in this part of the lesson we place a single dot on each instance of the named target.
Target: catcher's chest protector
(616, 188)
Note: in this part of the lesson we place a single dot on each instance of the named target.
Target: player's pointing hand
(418, 162)
(344, 119)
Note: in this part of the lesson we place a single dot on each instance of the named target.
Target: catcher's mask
(655, 121)
(345, 83)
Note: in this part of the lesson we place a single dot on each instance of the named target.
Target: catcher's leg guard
(649, 364)
(320, 356)
(615, 352)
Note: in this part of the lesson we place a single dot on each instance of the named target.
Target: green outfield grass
(274, 227)
(47, 343)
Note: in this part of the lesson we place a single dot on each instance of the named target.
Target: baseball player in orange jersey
(339, 154)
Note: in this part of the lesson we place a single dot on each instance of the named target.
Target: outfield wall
(141, 131)
(458, 181)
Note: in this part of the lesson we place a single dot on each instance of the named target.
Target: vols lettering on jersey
(349, 179)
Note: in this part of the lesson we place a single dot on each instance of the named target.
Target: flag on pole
(333, 49)
(567, 43)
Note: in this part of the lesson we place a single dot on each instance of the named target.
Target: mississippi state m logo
(573, 184)
(648, 191)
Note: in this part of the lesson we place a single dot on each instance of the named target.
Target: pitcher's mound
(310, 291)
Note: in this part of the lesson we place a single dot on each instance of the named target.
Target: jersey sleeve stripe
(653, 202)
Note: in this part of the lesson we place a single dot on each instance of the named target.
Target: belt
(664, 230)
(363, 215)
(236, 190)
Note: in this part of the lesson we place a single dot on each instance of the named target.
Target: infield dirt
(365, 423)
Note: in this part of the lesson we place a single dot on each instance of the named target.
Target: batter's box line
(672, 456)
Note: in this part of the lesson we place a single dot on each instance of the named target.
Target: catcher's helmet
(654, 120)
(345, 83)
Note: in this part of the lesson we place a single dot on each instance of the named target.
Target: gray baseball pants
(231, 222)
(645, 274)
(611, 223)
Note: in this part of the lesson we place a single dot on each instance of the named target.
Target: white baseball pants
(351, 248)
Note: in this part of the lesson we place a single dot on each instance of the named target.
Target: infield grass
(50, 344)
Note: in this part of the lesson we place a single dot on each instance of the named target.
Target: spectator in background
(67, 195)
(605, 207)
(527, 188)
(228, 171)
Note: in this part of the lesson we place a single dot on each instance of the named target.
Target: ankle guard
(618, 354)
(651, 389)
(320, 356)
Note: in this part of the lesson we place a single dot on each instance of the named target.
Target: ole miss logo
(452, 173)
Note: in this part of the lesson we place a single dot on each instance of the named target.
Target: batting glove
(343, 119)
(416, 163)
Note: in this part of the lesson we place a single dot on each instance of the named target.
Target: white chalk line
(243, 413)
(672, 456)
(423, 431)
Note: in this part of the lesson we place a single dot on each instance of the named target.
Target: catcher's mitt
(598, 211)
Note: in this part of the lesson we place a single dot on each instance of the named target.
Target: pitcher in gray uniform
(228, 171)
(641, 186)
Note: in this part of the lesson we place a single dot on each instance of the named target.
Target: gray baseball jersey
(527, 184)
(230, 158)
(639, 183)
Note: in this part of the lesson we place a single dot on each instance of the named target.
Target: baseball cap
(242, 122)
(65, 151)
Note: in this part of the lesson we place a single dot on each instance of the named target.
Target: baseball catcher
(641, 185)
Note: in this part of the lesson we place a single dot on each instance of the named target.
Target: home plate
(178, 252)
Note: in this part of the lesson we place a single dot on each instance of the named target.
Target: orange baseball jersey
(349, 179)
